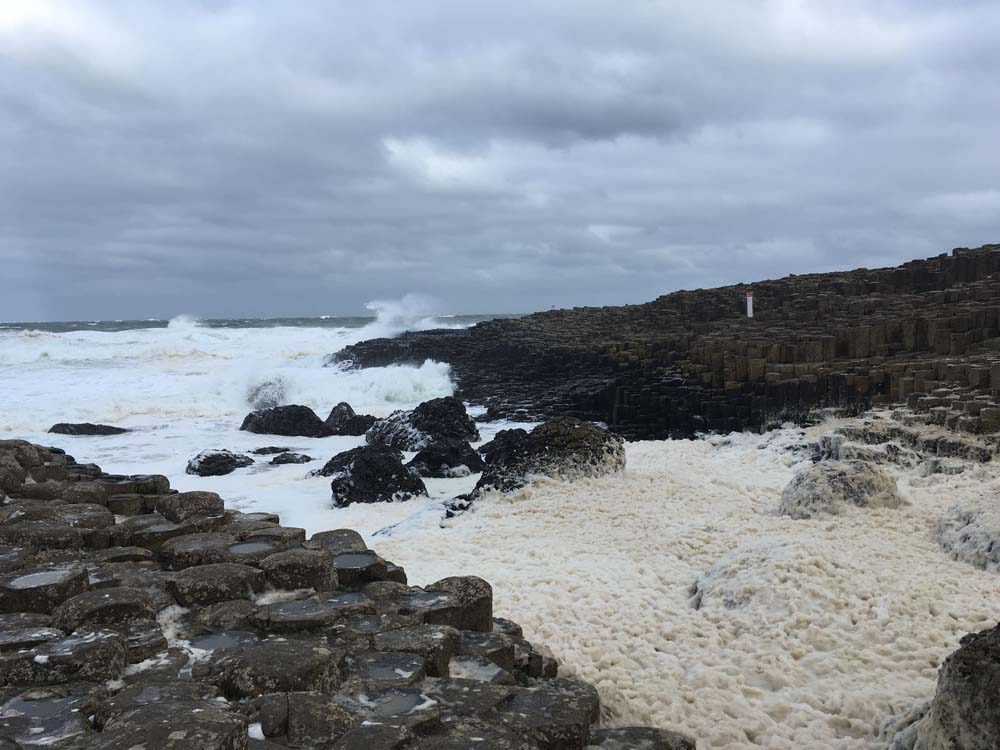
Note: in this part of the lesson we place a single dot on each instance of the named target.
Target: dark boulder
(290, 421)
(291, 458)
(501, 442)
(965, 712)
(447, 458)
(344, 421)
(86, 428)
(369, 474)
(435, 420)
(269, 450)
(563, 447)
(215, 463)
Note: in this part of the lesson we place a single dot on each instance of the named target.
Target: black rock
(447, 458)
(436, 420)
(86, 428)
(215, 463)
(343, 420)
(563, 447)
(290, 421)
(502, 442)
(269, 450)
(369, 474)
(291, 458)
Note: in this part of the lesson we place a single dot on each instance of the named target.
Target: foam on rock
(834, 486)
(970, 531)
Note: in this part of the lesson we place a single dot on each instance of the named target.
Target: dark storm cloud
(258, 158)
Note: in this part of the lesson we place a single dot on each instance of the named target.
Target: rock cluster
(132, 616)
(926, 332)
(437, 420)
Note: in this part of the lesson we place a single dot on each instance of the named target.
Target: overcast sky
(299, 158)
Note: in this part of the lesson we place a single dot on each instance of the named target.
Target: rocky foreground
(135, 617)
(928, 331)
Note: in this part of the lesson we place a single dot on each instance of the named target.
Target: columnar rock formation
(927, 331)
(133, 616)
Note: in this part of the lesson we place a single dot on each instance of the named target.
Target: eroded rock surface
(831, 487)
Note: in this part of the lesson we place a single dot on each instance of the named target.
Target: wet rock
(369, 474)
(211, 584)
(315, 719)
(42, 589)
(385, 591)
(965, 712)
(555, 714)
(375, 736)
(297, 615)
(834, 486)
(19, 638)
(290, 421)
(462, 699)
(283, 537)
(124, 554)
(86, 428)
(473, 733)
(149, 530)
(114, 707)
(291, 458)
(439, 419)
(216, 463)
(343, 420)
(272, 666)
(338, 541)
(41, 535)
(474, 597)
(480, 669)
(358, 568)
(190, 550)
(411, 707)
(144, 640)
(176, 725)
(502, 443)
(90, 654)
(183, 506)
(436, 643)
(230, 615)
(376, 671)
(251, 552)
(970, 531)
(493, 647)
(562, 447)
(451, 458)
(269, 450)
(102, 607)
(300, 569)
(45, 716)
(629, 738)
(507, 627)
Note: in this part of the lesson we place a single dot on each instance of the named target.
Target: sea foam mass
(675, 586)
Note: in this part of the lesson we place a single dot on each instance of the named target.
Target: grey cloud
(256, 158)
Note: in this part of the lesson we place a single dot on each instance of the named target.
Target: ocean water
(810, 634)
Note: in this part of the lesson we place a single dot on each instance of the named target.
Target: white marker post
(749, 304)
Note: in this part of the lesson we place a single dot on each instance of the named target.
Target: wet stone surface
(132, 617)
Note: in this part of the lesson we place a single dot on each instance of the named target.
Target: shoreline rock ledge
(135, 616)
(926, 333)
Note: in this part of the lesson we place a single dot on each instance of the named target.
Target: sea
(808, 634)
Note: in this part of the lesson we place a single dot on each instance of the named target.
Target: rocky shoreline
(134, 616)
(692, 362)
